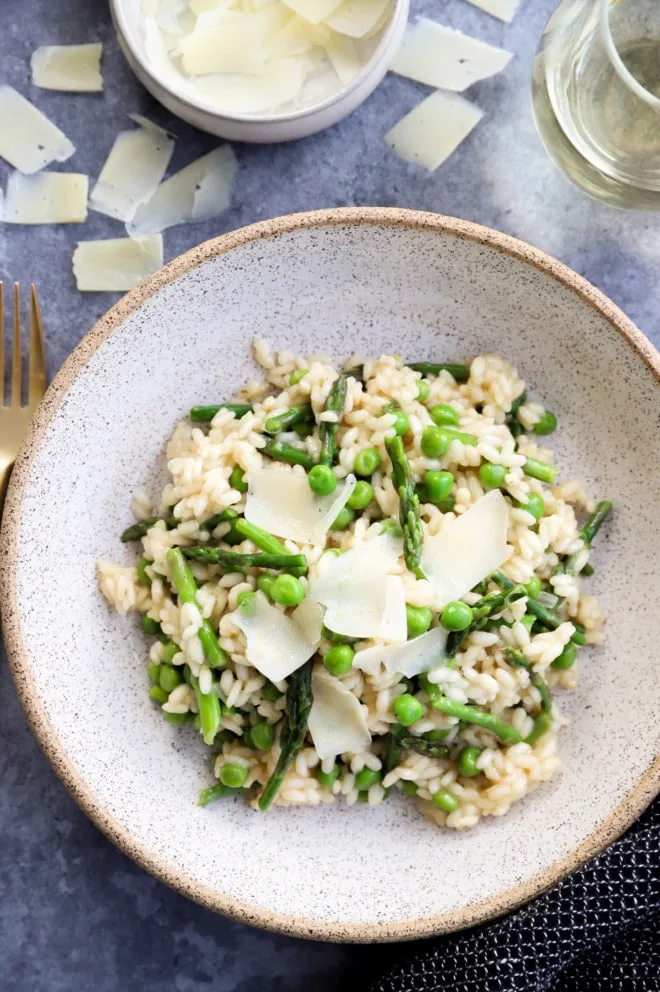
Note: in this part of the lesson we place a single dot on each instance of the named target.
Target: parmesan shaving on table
(439, 56)
(118, 264)
(433, 129)
(28, 139)
(504, 10)
(45, 198)
(69, 68)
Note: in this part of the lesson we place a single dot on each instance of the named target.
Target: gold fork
(14, 419)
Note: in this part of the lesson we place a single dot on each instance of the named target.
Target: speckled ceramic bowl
(376, 281)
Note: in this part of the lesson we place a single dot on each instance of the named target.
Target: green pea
(157, 694)
(408, 788)
(402, 423)
(423, 390)
(296, 376)
(407, 709)
(149, 626)
(170, 650)
(361, 496)
(390, 526)
(366, 778)
(366, 462)
(534, 505)
(467, 761)
(263, 735)
(445, 415)
(528, 621)
(588, 570)
(153, 672)
(271, 692)
(438, 486)
(456, 616)
(492, 476)
(327, 779)
(435, 442)
(445, 800)
(248, 601)
(566, 659)
(438, 734)
(344, 519)
(143, 578)
(418, 619)
(237, 481)
(287, 590)
(178, 719)
(533, 587)
(233, 775)
(265, 583)
(547, 423)
(169, 678)
(322, 480)
(334, 638)
(339, 659)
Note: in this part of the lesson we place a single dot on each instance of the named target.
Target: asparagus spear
(139, 529)
(357, 372)
(392, 755)
(186, 587)
(260, 537)
(334, 404)
(469, 714)
(218, 791)
(542, 614)
(294, 415)
(203, 414)
(482, 611)
(236, 561)
(282, 452)
(518, 660)
(536, 469)
(209, 710)
(224, 517)
(410, 742)
(458, 370)
(542, 724)
(588, 532)
(515, 406)
(409, 516)
(294, 729)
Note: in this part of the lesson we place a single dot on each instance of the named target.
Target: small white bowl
(260, 128)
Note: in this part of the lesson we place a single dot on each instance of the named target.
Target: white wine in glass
(596, 98)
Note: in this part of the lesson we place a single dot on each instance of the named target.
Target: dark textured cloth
(596, 931)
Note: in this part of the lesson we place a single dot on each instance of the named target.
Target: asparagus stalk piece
(482, 611)
(262, 539)
(542, 724)
(458, 370)
(139, 529)
(294, 729)
(515, 406)
(282, 452)
(536, 469)
(209, 710)
(203, 414)
(542, 614)
(236, 561)
(186, 587)
(469, 714)
(518, 660)
(283, 421)
(409, 516)
(218, 791)
(224, 517)
(588, 532)
(410, 742)
(328, 431)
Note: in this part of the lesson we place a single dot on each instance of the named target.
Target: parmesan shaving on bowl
(264, 56)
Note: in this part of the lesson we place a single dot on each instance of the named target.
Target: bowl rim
(120, 22)
(628, 809)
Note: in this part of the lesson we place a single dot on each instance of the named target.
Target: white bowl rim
(117, 11)
(627, 811)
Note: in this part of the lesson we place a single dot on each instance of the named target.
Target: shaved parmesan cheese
(175, 16)
(276, 646)
(361, 599)
(135, 166)
(433, 129)
(313, 11)
(412, 658)
(296, 37)
(308, 617)
(28, 140)
(344, 58)
(200, 191)
(502, 9)
(70, 68)
(356, 18)
(468, 548)
(337, 719)
(282, 503)
(280, 83)
(224, 45)
(116, 265)
(46, 198)
(446, 59)
(203, 6)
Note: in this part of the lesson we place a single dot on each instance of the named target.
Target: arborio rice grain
(200, 464)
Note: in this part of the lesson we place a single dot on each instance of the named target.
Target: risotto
(365, 580)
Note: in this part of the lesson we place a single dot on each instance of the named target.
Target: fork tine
(15, 400)
(2, 344)
(37, 367)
